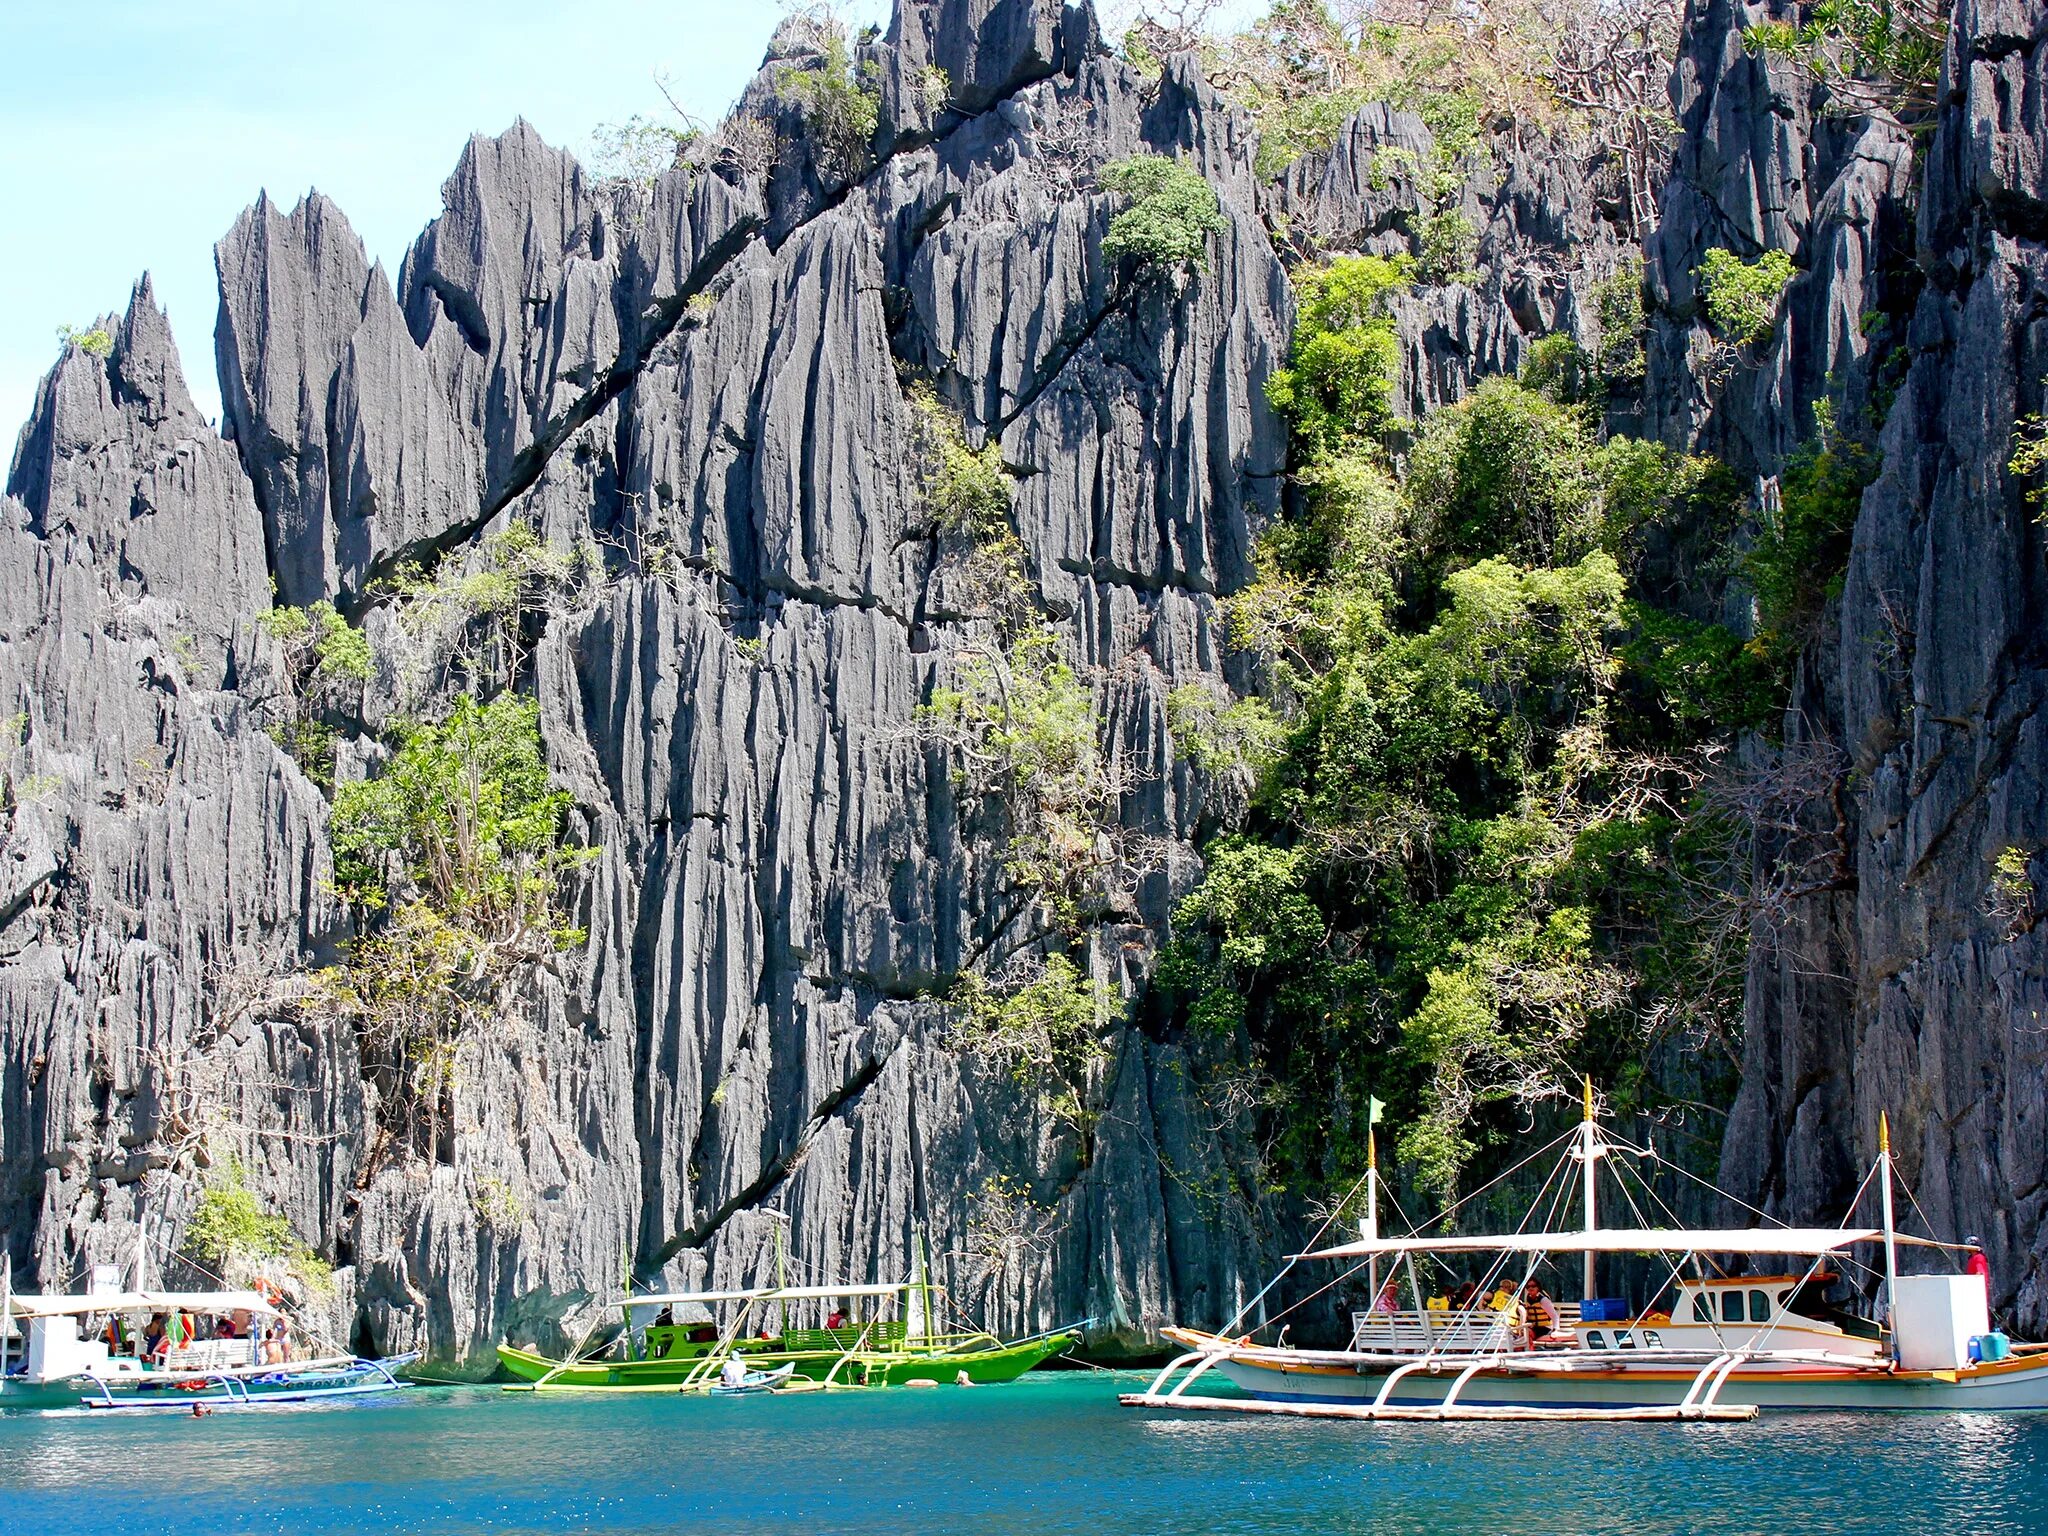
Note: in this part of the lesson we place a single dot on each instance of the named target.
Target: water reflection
(1043, 1456)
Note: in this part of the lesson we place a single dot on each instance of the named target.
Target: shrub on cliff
(1168, 213)
(1742, 297)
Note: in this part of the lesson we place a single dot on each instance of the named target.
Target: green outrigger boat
(666, 1356)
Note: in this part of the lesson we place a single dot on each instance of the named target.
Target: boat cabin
(1781, 1312)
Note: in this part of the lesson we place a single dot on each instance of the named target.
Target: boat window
(1594, 1339)
(1702, 1308)
(1731, 1306)
(1759, 1307)
(1653, 1340)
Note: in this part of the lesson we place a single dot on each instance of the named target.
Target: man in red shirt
(1976, 1264)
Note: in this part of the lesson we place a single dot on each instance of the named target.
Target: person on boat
(155, 1340)
(835, 1319)
(1388, 1299)
(1976, 1264)
(1464, 1296)
(224, 1328)
(734, 1373)
(1540, 1316)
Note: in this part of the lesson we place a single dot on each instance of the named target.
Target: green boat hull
(887, 1368)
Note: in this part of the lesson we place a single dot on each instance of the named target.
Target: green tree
(1337, 390)
(1168, 213)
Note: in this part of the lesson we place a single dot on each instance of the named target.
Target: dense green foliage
(1477, 865)
(236, 1238)
(1168, 212)
(1042, 1031)
(1802, 543)
(966, 490)
(464, 812)
(326, 664)
(1872, 53)
(93, 341)
(1023, 724)
(1338, 386)
(2030, 457)
(1742, 297)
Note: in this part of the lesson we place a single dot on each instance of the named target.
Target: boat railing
(1472, 1332)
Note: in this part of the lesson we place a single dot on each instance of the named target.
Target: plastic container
(1996, 1346)
(1977, 1349)
(1603, 1309)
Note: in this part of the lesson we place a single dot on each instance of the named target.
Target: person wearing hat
(1976, 1264)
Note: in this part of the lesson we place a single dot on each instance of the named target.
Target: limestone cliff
(711, 370)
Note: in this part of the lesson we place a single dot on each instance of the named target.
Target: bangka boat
(1711, 1342)
(668, 1355)
(48, 1361)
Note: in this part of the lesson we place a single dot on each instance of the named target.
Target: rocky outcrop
(1546, 220)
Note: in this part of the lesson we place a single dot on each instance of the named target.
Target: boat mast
(1891, 1247)
(1588, 1151)
(1369, 1229)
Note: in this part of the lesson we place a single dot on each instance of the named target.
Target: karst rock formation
(743, 1050)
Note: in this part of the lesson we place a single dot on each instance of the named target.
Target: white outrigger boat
(47, 1361)
(1724, 1345)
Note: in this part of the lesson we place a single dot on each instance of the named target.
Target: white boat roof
(1744, 1240)
(768, 1293)
(139, 1301)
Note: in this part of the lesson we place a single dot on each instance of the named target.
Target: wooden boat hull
(993, 1364)
(1284, 1376)
(175, 1388)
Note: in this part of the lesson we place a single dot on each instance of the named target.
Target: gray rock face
(786, 869)
(1546, 228)
(704, 380)
(1899, 988)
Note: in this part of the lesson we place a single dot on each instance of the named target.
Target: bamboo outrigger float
(1724, 1346)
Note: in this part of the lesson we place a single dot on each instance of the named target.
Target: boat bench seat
(1416, 1333)
(1455, 1333)
(212, 1355)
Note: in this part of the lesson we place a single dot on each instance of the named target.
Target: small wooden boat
(746, 1382)
(1721, 1345)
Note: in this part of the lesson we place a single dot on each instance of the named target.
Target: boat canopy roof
(1744, 1240)
(139, 1301)
(765, 1293)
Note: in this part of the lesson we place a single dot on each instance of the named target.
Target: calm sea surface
(1052, 1453)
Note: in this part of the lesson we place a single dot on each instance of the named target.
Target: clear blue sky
(132, 132)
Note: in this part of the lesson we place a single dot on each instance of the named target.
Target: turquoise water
(1048, 1454)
